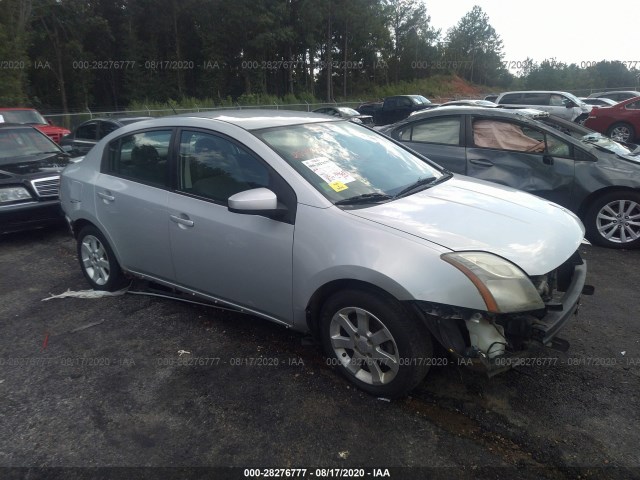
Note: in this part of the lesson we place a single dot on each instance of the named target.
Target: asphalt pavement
(87, 385)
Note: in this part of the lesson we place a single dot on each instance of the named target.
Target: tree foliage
(74, 55)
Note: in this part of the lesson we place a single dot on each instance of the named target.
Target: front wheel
(375, 343)
(621, 132)
(98, 263)
(613, 220)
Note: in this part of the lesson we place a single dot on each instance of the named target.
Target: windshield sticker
(328, 171)
(338, 186)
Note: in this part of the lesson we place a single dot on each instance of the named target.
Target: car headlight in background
(504, 287)
(14, 194)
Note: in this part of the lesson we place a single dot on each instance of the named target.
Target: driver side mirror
(568, 103)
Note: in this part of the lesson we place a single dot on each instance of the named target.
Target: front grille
(47, 187)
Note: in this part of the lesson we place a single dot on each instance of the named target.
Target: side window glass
(507, 136)
(633, 106)
(557, 100)
(216, 168)
(558, 147)
(106, 128)
(439, 130)
(511, 98)
(141, 157)
(87, 132)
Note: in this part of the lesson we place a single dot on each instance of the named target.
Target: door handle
(106, 196)
(182, 220)
(481, 161)
(547, 160)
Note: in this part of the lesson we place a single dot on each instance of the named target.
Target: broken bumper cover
(547, 328)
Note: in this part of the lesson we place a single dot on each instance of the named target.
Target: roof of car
(254, 119)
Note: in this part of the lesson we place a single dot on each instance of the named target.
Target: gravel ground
(93, 383)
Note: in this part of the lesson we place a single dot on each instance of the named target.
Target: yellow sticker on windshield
(338, 186)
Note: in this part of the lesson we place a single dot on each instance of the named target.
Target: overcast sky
(570, 32)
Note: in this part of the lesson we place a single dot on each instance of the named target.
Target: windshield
(23, 142)
(348, 111)
(420, 99)
(343, 160)
(23, 116)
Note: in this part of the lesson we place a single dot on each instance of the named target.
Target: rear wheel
(375, 342)
(621, 132)
(98, 263)
(613, 220)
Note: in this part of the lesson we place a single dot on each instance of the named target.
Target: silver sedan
(328, 227)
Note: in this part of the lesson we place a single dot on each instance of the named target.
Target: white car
(326, 226)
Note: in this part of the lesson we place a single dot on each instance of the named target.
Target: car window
(141, 156)
(343, 160)
(538, 99)
(106, 128)
(506, 135)
(633, 106)
(404, 102)
(558, 147)
(511, 98)
(556, 100)
(216, 168)
(435, 130)
(87, 132)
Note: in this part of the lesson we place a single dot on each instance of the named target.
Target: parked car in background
(346, 112)
(30, 166)
(601, 185)
(326, 226)
(395, 108)
(32, 117)
(617, 95)
(561, 104)
(87, 134)
(492, 97)
(620, 121)
(598, 102)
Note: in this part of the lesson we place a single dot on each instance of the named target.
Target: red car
(32, 117)
(621, 121)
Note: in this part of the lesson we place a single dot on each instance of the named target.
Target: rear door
(515, 154)
(131, 201)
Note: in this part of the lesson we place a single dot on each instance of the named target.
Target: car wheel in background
(98, 263)
(375, 342)
(613, 220)
(622, 132)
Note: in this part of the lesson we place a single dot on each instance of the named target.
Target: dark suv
(30, 166)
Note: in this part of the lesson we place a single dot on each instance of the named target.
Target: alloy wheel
(619, 221)
(364, 346)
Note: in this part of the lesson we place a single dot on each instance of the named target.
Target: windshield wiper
(423, 182)
(364, 198)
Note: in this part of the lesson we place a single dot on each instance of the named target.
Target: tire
(622, 132)
(613, 220)
(97, 261)
(375, 343)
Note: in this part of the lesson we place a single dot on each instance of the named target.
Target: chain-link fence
(72, 120)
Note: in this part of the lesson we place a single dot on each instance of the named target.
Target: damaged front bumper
(518, 337)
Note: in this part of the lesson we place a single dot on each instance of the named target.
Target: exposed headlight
(14, 194)
(504, 287)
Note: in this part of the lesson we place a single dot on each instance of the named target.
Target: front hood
(467, 214)
(34, 164)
